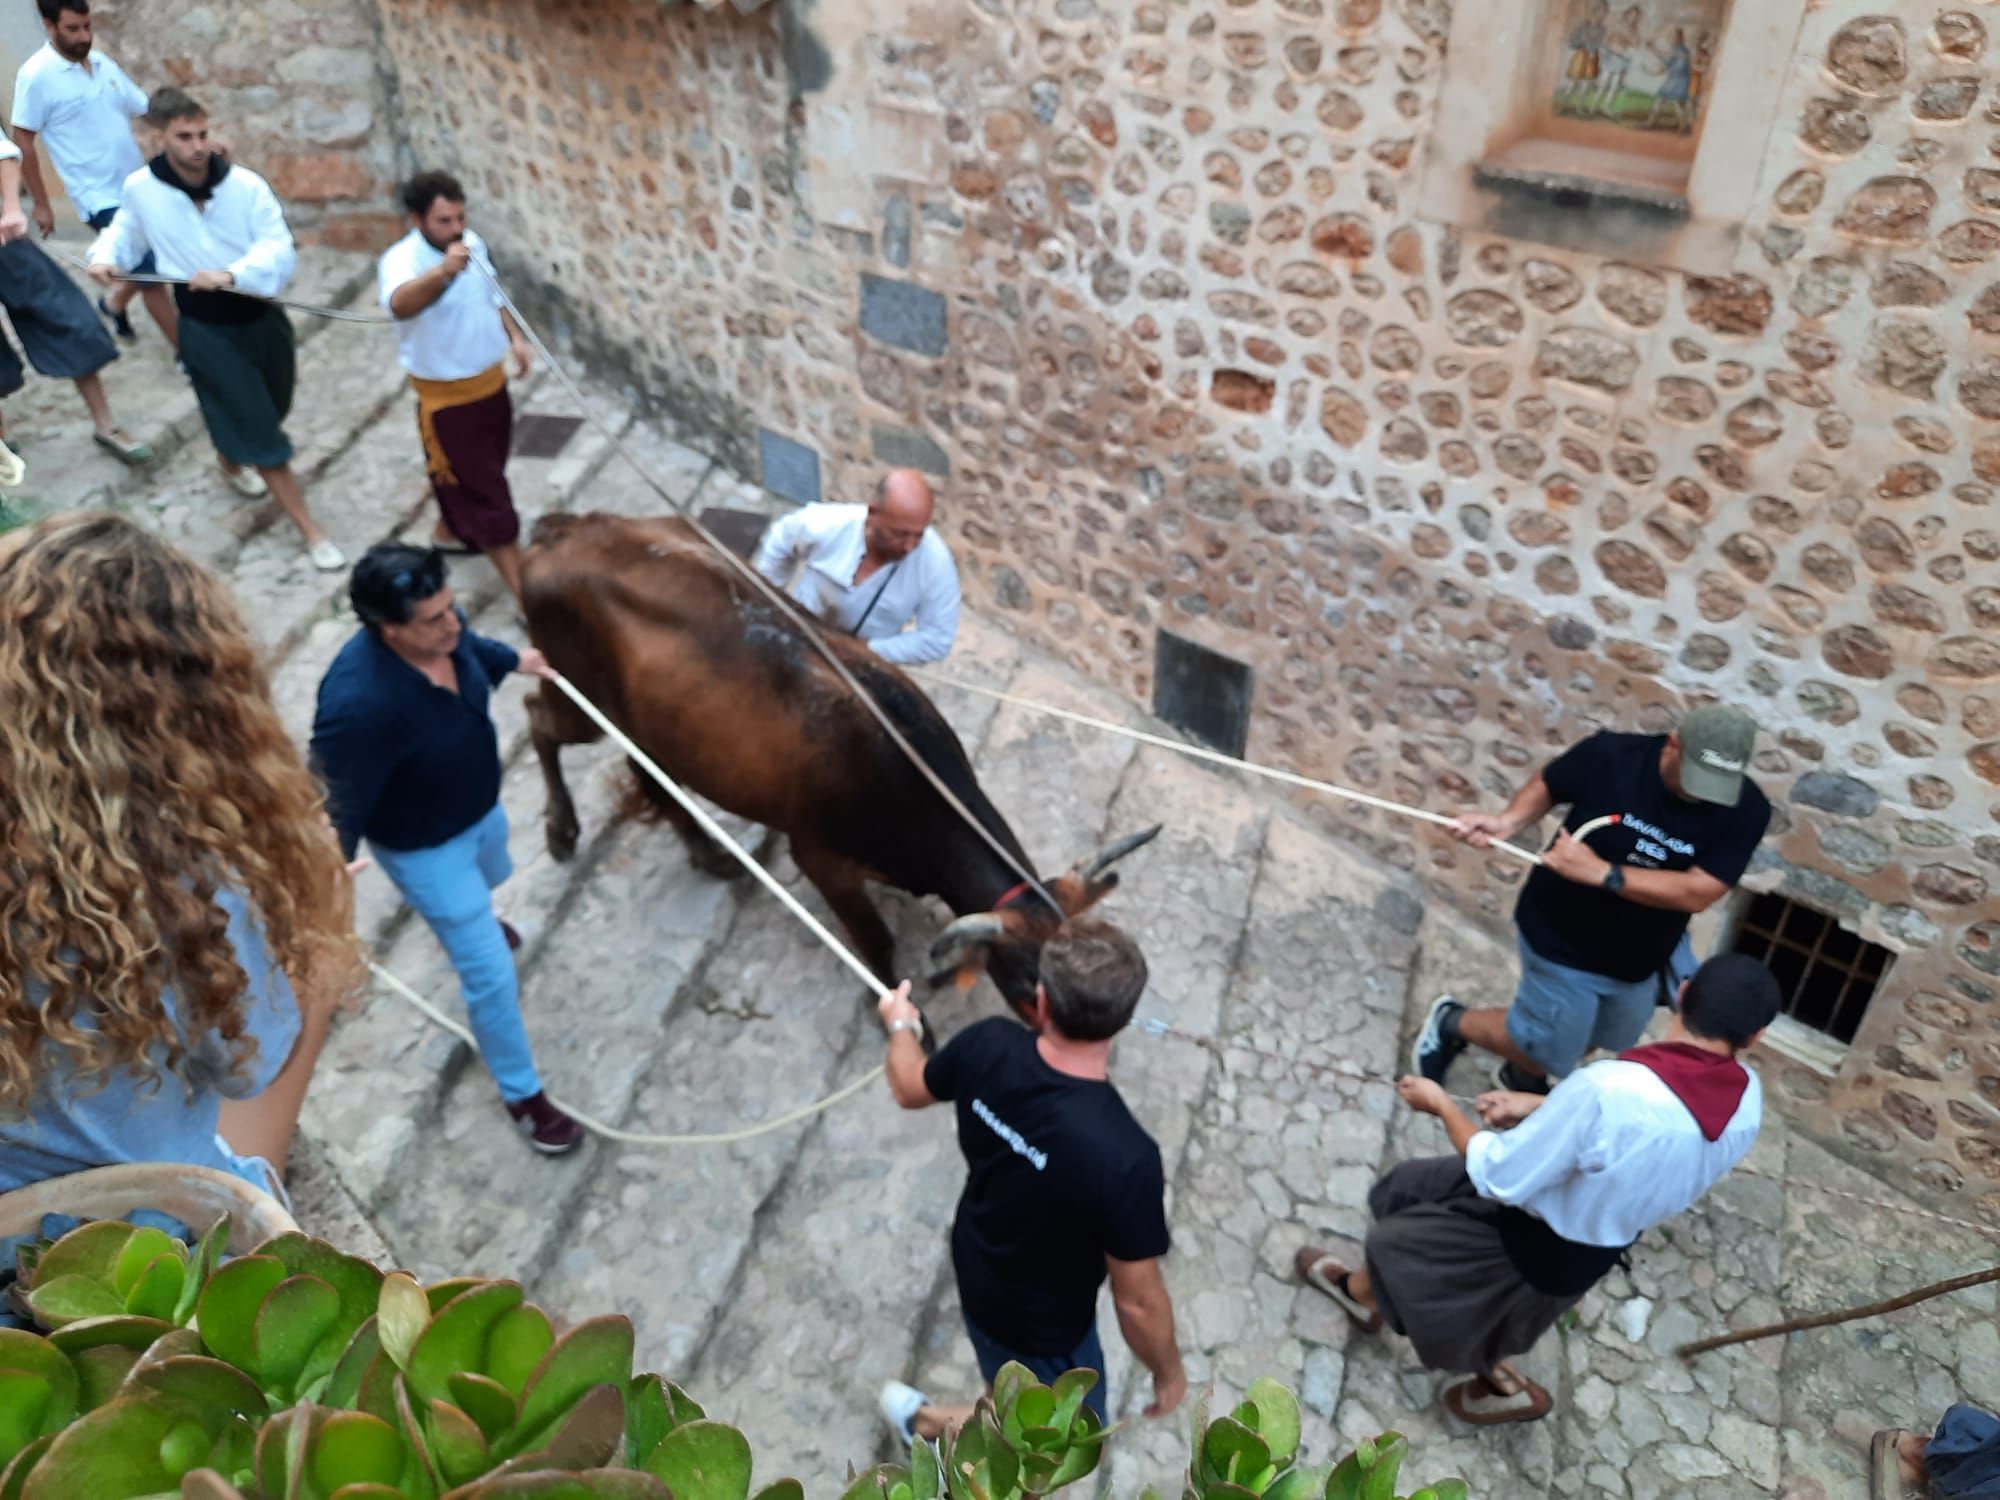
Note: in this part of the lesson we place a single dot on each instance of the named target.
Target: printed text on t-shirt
(1038, 1159)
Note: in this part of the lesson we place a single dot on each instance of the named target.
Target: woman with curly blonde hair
(165, 865)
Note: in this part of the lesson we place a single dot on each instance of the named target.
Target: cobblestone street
(784, 1279)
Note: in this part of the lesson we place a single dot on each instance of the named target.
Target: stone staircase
(784, 1278)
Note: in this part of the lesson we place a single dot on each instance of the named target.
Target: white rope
(1236, 763)
(410, 997)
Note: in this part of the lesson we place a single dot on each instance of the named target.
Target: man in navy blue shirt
(412, 763)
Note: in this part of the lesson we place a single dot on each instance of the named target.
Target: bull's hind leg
(553, 721)
(839, 880)
(704, 853)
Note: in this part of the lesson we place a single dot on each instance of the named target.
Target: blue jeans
(451, 887)
(1088, 1355)
(1560, 1013)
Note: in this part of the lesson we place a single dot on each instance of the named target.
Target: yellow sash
(434, 396)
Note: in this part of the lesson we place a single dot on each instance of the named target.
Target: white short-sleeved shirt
(84, 116)
(459, 335)
(814, 553)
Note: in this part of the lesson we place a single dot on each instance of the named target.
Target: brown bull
(731, 699)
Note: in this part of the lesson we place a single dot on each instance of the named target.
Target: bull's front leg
(839, 880)
(553, 721)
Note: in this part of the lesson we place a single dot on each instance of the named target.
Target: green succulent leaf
(294, 1317)
(455, 1338)
(369, 1491)
(90, 1251)
(198, 1386)
(587, 1436)
(684, 1407)
(157, 1290)
(781, 1489)
(598, 1351)
(873, 1483)
(1071, 1387)
(137, 1334)
(1300, 1482)
(1277, 1418)
(1232, 1453)
(489, 1403)
(15, 1473)
(647, 1418)
(457, 1444)
(1344, 1483)
(516, 1345)
(703, 1461)
(57, 1300)
(401, 1313)
(113, 1453)
(142, 1247)
(100, 1371)
(344, 1382)
(1452, 1489)
(605, 1484)
(441, 1294)
(1391, 1448)
(228, 1306)
(207, 1257)
(358, 1284)
(351, 1447)
(1009, 1381)
(26, 1404)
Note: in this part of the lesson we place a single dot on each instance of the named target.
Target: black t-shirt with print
(1586, 927)
(1060, 1176)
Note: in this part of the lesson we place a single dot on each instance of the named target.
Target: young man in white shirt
(219, 228)
(1473, 1257)
(59, 332)
(81, 104)
(455, 338)
(871, 570)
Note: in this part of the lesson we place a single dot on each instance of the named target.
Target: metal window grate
(1826, 973)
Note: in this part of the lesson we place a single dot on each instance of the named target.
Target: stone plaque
(1202, 691)
(787, 469)
(904, 314)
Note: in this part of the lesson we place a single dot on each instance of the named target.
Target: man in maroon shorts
(456, 339)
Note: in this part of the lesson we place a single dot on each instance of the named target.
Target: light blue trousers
(451, 887)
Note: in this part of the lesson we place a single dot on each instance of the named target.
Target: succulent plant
(299, 1373)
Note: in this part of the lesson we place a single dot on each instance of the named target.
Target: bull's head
(1009, 938)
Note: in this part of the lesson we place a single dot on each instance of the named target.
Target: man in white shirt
(1473, 1257)
(871, 570)
(456, 337)
(219, 229)
(81, 104)
(59, 333)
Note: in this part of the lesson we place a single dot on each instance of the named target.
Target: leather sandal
(1885, 1469)
(1504, 1396)
(1318, 1268)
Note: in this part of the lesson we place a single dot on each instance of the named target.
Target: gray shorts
(1560, 1013)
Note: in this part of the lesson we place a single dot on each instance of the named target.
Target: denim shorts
(101, 220)
(1088, 1355)
(1560, 1013)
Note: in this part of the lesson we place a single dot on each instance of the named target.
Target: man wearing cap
(1669, 822)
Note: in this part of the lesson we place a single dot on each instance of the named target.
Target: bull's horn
(967, 932)
(1110, 854)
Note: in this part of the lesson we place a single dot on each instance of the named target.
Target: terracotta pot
(198, 1196)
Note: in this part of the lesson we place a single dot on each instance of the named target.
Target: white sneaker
(900, 1405)
(326, 557)
(12, 469)
(247, 483)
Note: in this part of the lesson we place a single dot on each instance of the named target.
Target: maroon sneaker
(547, 1128)
(513, 938)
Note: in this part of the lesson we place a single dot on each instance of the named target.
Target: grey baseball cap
(1716, 742)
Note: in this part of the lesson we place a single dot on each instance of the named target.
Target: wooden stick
(1824, 1320)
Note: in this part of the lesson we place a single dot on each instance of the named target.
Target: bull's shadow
(734, 702)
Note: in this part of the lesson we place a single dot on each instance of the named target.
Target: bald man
(877, 571)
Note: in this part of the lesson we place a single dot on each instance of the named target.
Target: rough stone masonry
(1143, 278)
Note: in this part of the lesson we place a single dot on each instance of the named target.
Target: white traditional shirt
(241, 229)
(84, 116)
(459, 335)
(1610, 1153)
(813, 554)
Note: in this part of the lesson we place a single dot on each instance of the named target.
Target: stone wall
(1142, 279)
(298, 88)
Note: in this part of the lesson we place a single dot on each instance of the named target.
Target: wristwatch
(1614, 879)
(907, 1023)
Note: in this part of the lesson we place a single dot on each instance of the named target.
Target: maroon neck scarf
(1709, 1084)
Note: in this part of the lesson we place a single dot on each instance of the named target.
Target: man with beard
(220, 229)
(80, 104)
(456, 338)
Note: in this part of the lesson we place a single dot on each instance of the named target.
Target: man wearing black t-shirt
(1669, 823)
(1063, 1185)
